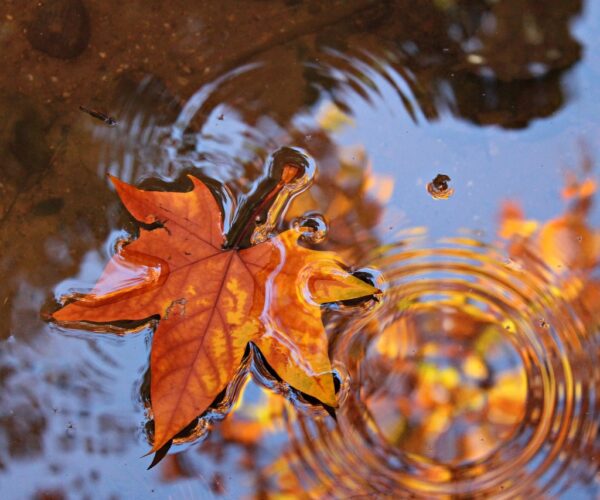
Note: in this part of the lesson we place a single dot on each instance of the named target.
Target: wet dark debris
(439, 189)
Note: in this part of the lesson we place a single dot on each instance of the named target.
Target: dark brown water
(476, 375)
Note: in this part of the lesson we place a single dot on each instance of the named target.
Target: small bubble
(438, 188)
(312, 227)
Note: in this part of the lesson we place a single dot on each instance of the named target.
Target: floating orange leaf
(213, 301)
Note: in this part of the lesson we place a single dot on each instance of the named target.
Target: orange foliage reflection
(477, 374)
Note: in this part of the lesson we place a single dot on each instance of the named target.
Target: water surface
(475, 376)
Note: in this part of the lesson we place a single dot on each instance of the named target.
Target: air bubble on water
(312, 227)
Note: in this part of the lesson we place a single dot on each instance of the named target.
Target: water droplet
(438, 188)
(312, 227)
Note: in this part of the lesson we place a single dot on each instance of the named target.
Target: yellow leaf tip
(331, 401)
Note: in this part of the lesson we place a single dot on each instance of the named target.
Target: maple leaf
(213, 301)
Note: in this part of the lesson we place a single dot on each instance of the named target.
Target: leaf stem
(288, 172)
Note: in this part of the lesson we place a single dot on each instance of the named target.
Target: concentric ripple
(475, 378)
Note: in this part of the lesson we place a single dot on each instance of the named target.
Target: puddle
(474, 374)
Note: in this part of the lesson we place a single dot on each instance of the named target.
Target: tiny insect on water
(109, 120)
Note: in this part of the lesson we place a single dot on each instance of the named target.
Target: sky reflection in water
(72, 416)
